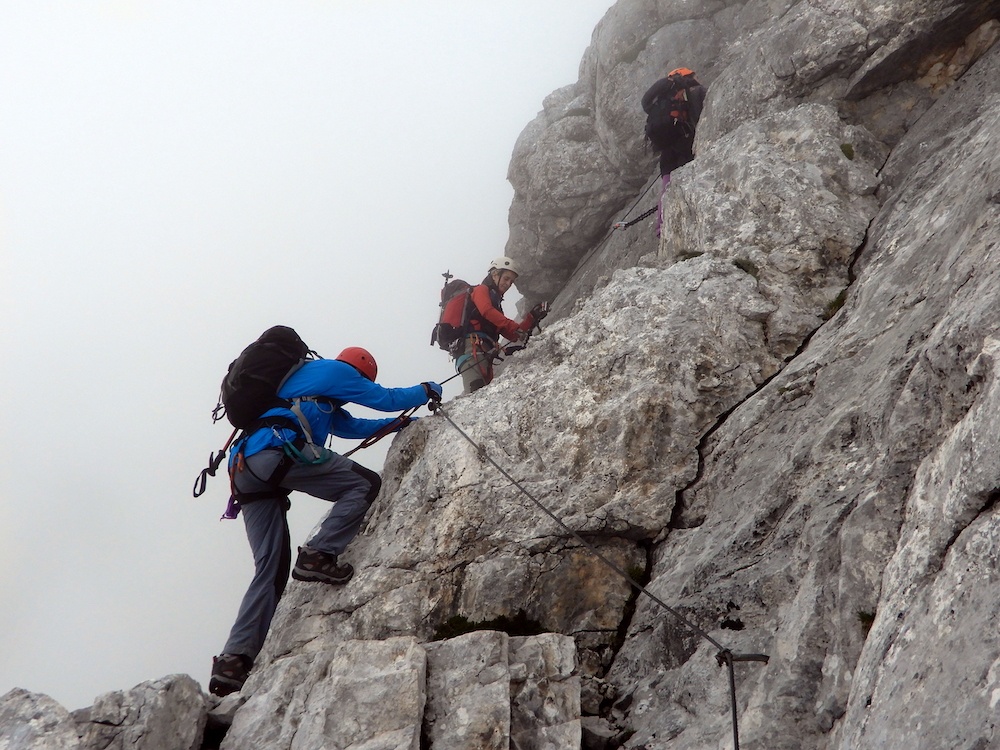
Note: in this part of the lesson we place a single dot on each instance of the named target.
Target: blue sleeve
(340, 381)
(345, 425)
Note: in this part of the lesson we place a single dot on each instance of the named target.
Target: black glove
(434, 392)
(539, 311)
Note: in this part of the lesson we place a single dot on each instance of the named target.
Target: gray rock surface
(166, 713)
(468, 692)
(33, 721)
(451, 536)
(474, 691)
(170, 712)
(486, 690)
(545, 694)
(851, 491)
(780, 198)
(578, 166)
(782, 416)
(357, 695)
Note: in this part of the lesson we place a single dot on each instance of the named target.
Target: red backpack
(453, 322)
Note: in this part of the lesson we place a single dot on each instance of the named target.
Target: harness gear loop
(489, 355)
(214, 462)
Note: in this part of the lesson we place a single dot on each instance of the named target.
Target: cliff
(781, 418)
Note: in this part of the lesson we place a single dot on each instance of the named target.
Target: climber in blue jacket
(284, 453)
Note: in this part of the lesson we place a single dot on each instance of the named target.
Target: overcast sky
(175, 177)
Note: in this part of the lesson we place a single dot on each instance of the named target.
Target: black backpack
(669, 116)
(251, 385)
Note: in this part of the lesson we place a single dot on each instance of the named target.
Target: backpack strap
(294, 448)
(296, 408)
(276, 420)
(467, 313)
(300, 424)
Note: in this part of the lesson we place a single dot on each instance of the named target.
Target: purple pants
(664, 182)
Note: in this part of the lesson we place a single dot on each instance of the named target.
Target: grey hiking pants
(351, 487)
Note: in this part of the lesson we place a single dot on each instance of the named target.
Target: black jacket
(666, 88)
(672, 138)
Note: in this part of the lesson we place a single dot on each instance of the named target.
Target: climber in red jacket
(488, 323)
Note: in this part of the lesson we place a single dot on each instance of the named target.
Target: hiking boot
(313, 565)
(229, 672)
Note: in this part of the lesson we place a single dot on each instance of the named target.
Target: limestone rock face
(604, 438)
(788, 198)
(166, 713)
(583, 159)
(360, 694)
(469, 713)
(476, 691)
(845, 513)
(780, 419)
(170, 712)
(545, 694)
(880, 65)
(33, 721)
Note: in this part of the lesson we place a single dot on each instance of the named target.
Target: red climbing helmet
(361, 360)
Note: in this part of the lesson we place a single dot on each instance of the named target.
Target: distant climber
(273, 457)
(486, 323)
(673, 107)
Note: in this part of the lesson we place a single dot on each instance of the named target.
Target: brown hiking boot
(313, 565)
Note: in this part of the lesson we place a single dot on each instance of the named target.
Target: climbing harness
(294, 450)
(481, 357)
(495, 353)
(724, 656)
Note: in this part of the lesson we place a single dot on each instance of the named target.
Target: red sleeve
(481, 299)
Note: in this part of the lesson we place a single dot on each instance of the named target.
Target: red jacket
(487, 314)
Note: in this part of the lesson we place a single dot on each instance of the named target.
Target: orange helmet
(680, 72)
(361, 360)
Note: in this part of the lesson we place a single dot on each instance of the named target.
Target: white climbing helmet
(503, 263)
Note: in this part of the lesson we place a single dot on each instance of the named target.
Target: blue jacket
(340, 382)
